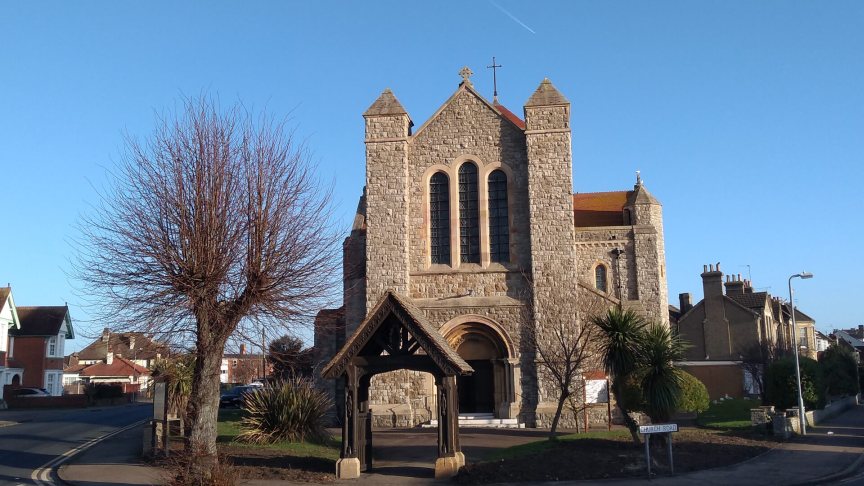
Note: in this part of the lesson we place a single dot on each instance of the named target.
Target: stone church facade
(473, 219)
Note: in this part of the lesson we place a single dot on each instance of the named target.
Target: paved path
(32, 438)
(410, 456)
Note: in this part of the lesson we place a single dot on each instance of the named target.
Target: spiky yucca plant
(660, 380)
(285, 410)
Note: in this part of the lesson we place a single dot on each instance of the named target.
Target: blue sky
(746, 118)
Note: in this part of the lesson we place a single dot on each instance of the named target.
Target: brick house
(243, 367)
(37, 346)
(472, 219)
(133, 346)
(726, 330)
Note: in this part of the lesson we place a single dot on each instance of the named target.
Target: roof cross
(494, 67)
(466, 73)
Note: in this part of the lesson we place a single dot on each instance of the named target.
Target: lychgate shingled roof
(412, 319)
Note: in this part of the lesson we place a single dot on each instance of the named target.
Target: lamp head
(805, 275)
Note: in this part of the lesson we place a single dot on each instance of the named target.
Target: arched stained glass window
(439, 218)
(469, 215)
(600, 278)
(499, 226)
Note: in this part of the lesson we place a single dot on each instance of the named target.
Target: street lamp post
(802, 422)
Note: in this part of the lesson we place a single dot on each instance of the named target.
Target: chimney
(106, 333)
(712, 281)
(685, 301)
(734, 285)
(860, 331)
(242, 348)
(748, 287)
(109, 357)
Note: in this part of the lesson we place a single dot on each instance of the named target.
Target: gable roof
(6, 297)
(751, 300)
(496, 108)
(43, 321)
(599, 208)
(412, 319)
(118, 367)
(120, 342)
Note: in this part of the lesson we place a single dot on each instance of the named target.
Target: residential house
(242, 367)
(134, 346)
(37, 346)
(822, 342)
(9, 375)
(852, 340)
(115, 370)
(725, 331)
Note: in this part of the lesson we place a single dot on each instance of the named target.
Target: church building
(471, 221)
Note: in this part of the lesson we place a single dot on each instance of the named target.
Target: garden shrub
(285, 410)
(694, 395)
(839, 370)
(780, 387)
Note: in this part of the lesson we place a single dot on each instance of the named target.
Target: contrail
(499, 7)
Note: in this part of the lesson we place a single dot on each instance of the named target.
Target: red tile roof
(118, 367)
(510, 116)
(599, 208)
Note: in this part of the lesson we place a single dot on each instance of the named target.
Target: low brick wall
(66, 401)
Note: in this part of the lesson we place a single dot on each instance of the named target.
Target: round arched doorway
(486, 348)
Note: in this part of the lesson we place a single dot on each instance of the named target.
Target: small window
(600, 278)
(439, 218)
(52, 346)
(234, 363)
(469, 215)
(499, 227)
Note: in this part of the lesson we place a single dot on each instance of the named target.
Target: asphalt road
(42, 435)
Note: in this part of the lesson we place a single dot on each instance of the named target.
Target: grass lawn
(728, 414)
(547, 445)
(228, 428)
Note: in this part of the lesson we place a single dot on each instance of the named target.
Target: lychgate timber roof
(411, 319)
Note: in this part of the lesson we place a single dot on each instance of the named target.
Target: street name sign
(658, 428)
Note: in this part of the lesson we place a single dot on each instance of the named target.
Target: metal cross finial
(638, 178)
(466, 73)
(494, 67)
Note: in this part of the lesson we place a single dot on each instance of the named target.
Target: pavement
(829, 452)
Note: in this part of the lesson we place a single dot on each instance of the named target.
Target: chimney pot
(243, 348)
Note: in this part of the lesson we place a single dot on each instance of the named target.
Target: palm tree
(658, 377)
(620, 345)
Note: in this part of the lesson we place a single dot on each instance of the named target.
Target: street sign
(658, 428)
(667, 429)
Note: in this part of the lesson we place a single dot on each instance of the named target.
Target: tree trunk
(628, 420)
(561, 399)
(204, 404)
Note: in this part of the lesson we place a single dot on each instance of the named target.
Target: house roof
(43, 321)
(242, 356)
(751, 300)
(852, 341)
(4, 296)
(409, 318)
(118, 367)
(599, 208)
(120, 342)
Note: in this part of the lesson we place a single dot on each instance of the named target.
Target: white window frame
(52, 342)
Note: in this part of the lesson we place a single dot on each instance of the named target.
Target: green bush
(285, 410)
(781, 389)
(840, 371)
(694, 395)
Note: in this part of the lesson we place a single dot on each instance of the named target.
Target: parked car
(234, 396)
(32, 392)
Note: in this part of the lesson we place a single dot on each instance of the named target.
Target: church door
(477, 391)
(481, 348)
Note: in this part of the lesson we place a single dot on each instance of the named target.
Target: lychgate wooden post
(348, 465)
(364, 443)
(450, 456)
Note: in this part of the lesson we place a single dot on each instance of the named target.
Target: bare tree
(247, 370)
(756, 358)
(213, 225)
(565, 351)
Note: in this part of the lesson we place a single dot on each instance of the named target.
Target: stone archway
(487, 348)
(16, 380)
